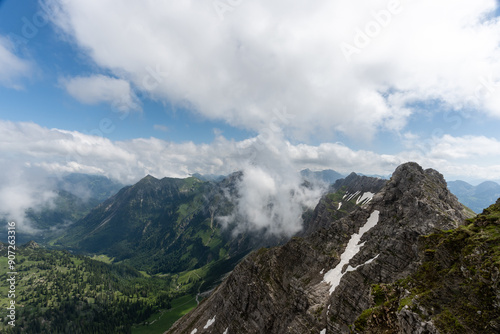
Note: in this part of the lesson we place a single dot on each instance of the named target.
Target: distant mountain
(209, 177)
(328, 176)
(323, 282)
(169, 225)
(157, 225)
(85, 186)
(477, 198)
(165, 226)
(76, 195)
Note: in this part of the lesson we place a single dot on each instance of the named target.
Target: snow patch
(351, 196)
(194, 331)
(226, 331)
(334, 275)
(340, 205)
(365, 198)
(322, 271)
(210, 322)
(350, 268)
(323, 331)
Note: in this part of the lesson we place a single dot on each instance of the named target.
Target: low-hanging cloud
(271, 192)
(272, 195)
(21, 188)
(60, 151)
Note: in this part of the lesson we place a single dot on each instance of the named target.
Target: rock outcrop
(454, 290)
(341, 199)
(322, 283)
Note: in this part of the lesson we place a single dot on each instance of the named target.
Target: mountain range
(78, 194)
(361, 243)
(323, 282)
(167, 228)
(75, 195)
(477, 197)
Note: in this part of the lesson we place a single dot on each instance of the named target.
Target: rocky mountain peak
(416, 193)
(148, 179)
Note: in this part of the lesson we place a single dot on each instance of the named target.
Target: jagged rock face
(454, 290)
(354, 188)
(321, 283)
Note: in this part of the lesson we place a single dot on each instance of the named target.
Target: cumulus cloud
(466, 147)
(271, 193)
(61, 151)
(98, 89)
(238, 60)
(12, 67)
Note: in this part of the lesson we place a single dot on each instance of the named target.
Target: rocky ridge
(341, 199)
(454, 290)
(321, 283)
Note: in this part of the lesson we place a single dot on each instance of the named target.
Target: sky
(125, 88)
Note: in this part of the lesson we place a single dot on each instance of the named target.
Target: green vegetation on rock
(456, 287)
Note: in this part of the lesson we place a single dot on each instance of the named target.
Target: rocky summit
(322, 282)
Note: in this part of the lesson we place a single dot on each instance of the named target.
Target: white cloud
(271, 196)
(264, 55)
(61, 151)
(98, 89)
(21, 188)
(466, 147)
(12, 67)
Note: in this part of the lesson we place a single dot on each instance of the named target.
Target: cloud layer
(271, 195)
(238, 60)
(60, 151)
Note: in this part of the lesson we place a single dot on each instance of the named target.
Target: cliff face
(454, 290)
(321, 283)
(342, 198)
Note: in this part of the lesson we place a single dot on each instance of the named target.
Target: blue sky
(42, 99)
(227, 75)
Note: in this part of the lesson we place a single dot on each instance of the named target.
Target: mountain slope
(475, 197)
(321, 283)
(342, 198)
(156, 225)
(455, 289)
(170, 225)
(58, 292)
